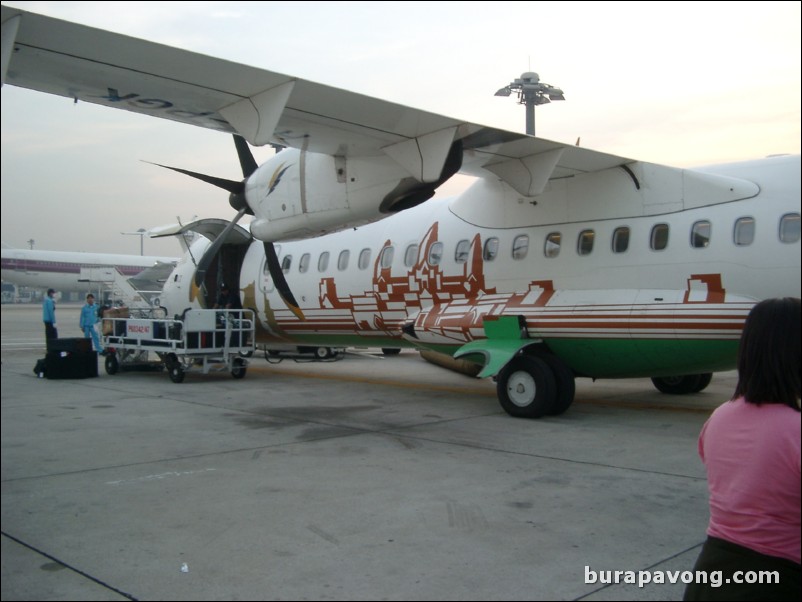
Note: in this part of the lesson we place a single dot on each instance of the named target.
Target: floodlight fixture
(531, 92)
(141, 234)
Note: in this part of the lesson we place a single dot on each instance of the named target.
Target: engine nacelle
(299, 194)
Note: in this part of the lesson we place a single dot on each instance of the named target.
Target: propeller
(238, 202)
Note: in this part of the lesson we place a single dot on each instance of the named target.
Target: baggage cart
(202, 339)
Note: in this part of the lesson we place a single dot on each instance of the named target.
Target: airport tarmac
(367, 478)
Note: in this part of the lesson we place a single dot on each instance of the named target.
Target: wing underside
(101, 67)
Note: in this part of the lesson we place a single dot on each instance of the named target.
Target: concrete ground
(368, 478)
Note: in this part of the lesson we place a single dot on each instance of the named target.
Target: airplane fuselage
(61, 270)
(663, 291)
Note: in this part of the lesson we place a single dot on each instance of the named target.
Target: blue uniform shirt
(49, 310)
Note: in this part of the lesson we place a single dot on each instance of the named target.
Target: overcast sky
(680, 83)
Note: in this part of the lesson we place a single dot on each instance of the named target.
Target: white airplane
(559, 262)
(65, 271)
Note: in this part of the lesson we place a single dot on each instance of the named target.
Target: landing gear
(532, 386)
(682, 385)
(526, 388)
(565, 381)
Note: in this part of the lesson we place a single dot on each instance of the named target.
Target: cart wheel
(112, 365)
(324, 353)
(239, 369)
(176, 372)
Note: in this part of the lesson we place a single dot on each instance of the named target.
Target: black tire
(239, 369)
(680, 385)
(390, 351)
(565, 382)
(112, 364)
(526, 387)
(323, 353)
(176, 372)
(704, 381)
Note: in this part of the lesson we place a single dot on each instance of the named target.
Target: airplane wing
(101, 67)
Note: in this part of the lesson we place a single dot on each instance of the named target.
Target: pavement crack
(78, 571)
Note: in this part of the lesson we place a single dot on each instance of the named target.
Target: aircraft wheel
(323, 353)
(112, 364)
(681, 385)
(239, 369)
(704, 381)
(526, 387)
(565, 381)
(390, 351)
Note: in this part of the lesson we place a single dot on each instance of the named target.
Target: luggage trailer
(203, 339)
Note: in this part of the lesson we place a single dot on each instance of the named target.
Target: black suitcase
(65, 364)
(70, 345)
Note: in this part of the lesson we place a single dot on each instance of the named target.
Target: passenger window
(700, 235)
(436, 253)
(387, 257)
(342, 260)
(286, 264)
(584, 245)
(621, 239)
(491, 249)
(743, 234)
(323, 262)
(789, 228)
(463, 248)
(411, 255)
(552, 246)
(520, 246)
(658, 240)
(303, 264)
(364, 259)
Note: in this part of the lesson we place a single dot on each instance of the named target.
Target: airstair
(115, 289)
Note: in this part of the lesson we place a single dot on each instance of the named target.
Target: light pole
(141, 234)
(531, 92)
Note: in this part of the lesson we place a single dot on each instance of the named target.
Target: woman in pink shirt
(751, 449)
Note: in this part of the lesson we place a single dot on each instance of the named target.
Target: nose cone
(238, 201)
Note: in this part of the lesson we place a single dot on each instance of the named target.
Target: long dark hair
(769, 362)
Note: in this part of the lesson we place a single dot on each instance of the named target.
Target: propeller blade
(246, 160)
(211, 253)
(238, 201)
(280, 281)
(230, 185)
